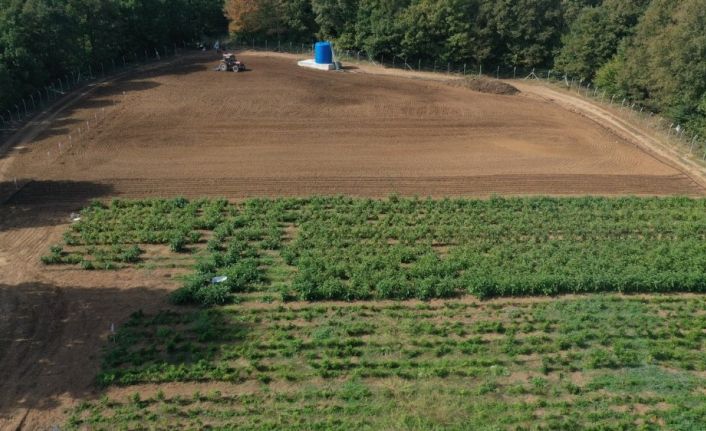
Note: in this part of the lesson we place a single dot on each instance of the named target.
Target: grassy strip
(604, 362)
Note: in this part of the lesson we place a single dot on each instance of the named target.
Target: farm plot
(595, 362)
(604, 362)
(360, 249)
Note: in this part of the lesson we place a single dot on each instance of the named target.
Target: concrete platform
(312, 64)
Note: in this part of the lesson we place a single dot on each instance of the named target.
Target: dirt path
(647, 140)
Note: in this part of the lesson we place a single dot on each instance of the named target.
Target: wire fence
(13, 118)
(693, 143)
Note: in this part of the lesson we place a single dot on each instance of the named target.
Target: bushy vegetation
(361, 249)
(604, 362)
(650, 51)
(109, 236)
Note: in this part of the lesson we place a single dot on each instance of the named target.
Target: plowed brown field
(283, 130)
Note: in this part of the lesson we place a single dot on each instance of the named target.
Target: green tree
(440, 29)
(336, 20)
(375, 29)
(595, 35)
(663, 65)
(524, 32)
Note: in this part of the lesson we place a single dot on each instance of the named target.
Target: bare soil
(277, 129)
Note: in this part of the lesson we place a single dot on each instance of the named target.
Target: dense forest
(41, 40)
(651, 51)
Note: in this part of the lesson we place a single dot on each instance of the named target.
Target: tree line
(650, 51)
(41, 40)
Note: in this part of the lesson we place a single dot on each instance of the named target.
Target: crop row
(359, 249)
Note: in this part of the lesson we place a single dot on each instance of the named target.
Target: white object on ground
(219, 279)
(314, 65)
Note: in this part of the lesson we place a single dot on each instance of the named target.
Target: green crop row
(328, 248)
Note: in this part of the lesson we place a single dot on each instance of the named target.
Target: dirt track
(274, 130)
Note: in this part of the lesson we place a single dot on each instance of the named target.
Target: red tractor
(230, 63)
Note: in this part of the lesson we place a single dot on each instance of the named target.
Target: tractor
(230, 63)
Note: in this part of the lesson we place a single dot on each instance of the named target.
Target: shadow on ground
(45, 203)
(51, 339)
(96, 95)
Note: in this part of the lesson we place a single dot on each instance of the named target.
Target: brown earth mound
(486, 85)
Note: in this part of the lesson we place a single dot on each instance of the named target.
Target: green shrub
(177, 242)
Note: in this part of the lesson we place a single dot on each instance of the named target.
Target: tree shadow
(51, 338)
(96, 95)
(45, 203)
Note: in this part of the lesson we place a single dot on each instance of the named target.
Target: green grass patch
(584, 363)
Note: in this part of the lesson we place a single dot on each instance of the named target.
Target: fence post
(464, 68)
(448, 67)
(480, 70)
(419, 65)
(19, 118)
(514, 72)
(434, 66)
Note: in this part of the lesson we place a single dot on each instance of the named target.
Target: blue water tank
(323, 53)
